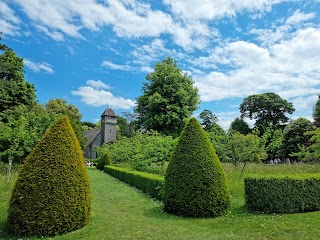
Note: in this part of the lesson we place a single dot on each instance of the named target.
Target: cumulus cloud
(38, 67)
(97, 84)
(210, 10)
(95, 94)
(187, 23)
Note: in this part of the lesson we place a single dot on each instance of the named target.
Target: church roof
(90, 135)
(108, 112)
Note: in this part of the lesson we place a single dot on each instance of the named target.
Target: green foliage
(195, 183)
(123, 127)
(168, 98)
(52, 194)
(148, 152)
(104, 160)
(243, 148)
(283, 195)
(310, 153)
(219, 141)
(316, 112)
(267, 109)
(239, 125)
(148, 183)
(14, 90)
(22, 131)
(208, 119)
(273, 139)
(294, 136)
(59, 107)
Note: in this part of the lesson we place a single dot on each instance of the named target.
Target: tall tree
(14, 90)
(58, 107)
(131, 119)
(294, 135)
(208, 119)
(267, 109)
(168, 98)
(316, 112)
(239, 125)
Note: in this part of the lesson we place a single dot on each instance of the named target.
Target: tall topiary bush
(104, 160)
(195, 183)
(52, 192)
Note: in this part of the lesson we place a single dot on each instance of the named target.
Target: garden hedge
(52, 193)
(283, 194)
(195, 183)
(104, 160)
(148, 183)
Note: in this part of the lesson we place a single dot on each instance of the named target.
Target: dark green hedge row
(283, 194)
(148, 183)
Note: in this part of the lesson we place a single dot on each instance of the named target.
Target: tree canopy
(267, 108)
(14, 90)
(239, 125)
(294, 135)
(316, 112)
(168, 98)
(58, 107)
(208, 119)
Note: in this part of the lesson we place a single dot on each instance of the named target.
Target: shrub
(282, 194)
(104, 160)
(148, 183)
(52, 192)
(195, 183)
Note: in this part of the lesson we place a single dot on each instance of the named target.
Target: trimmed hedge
(104, 160)
(195, 184)
(282, 194)
(52, 193)
(148, 183)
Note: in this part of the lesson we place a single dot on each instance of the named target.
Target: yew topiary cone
(52, 192)
(195, 184)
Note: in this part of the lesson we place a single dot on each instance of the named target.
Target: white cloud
(210, 10)
(95, 95)
(38, 67)
(114, 66)
(299, 17)
(97, 84)
(55, 35)
(187, 24)
(9, 22)
(282, 32)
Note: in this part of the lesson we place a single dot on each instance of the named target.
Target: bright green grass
(121, 212)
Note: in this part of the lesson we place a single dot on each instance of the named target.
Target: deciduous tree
(14, 90)
(168, 98)
(267, 109)
(208, 119)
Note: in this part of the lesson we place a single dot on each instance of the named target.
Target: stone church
(98, 136)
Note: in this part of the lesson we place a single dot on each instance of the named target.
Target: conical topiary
(104, 160)
(52, 192)
(195, 184)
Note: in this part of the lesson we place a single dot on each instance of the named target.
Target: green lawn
(121, 212)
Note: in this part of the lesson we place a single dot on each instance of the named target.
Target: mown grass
(121, 212)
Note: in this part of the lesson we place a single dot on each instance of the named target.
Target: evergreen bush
(148, 183)
(195, 183)
(104, 160)
(284, 194)
(52, 192)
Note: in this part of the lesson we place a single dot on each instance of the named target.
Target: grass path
(121, 212)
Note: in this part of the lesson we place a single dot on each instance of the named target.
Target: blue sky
(97, 53)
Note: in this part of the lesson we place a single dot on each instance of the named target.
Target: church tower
(108, 126)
